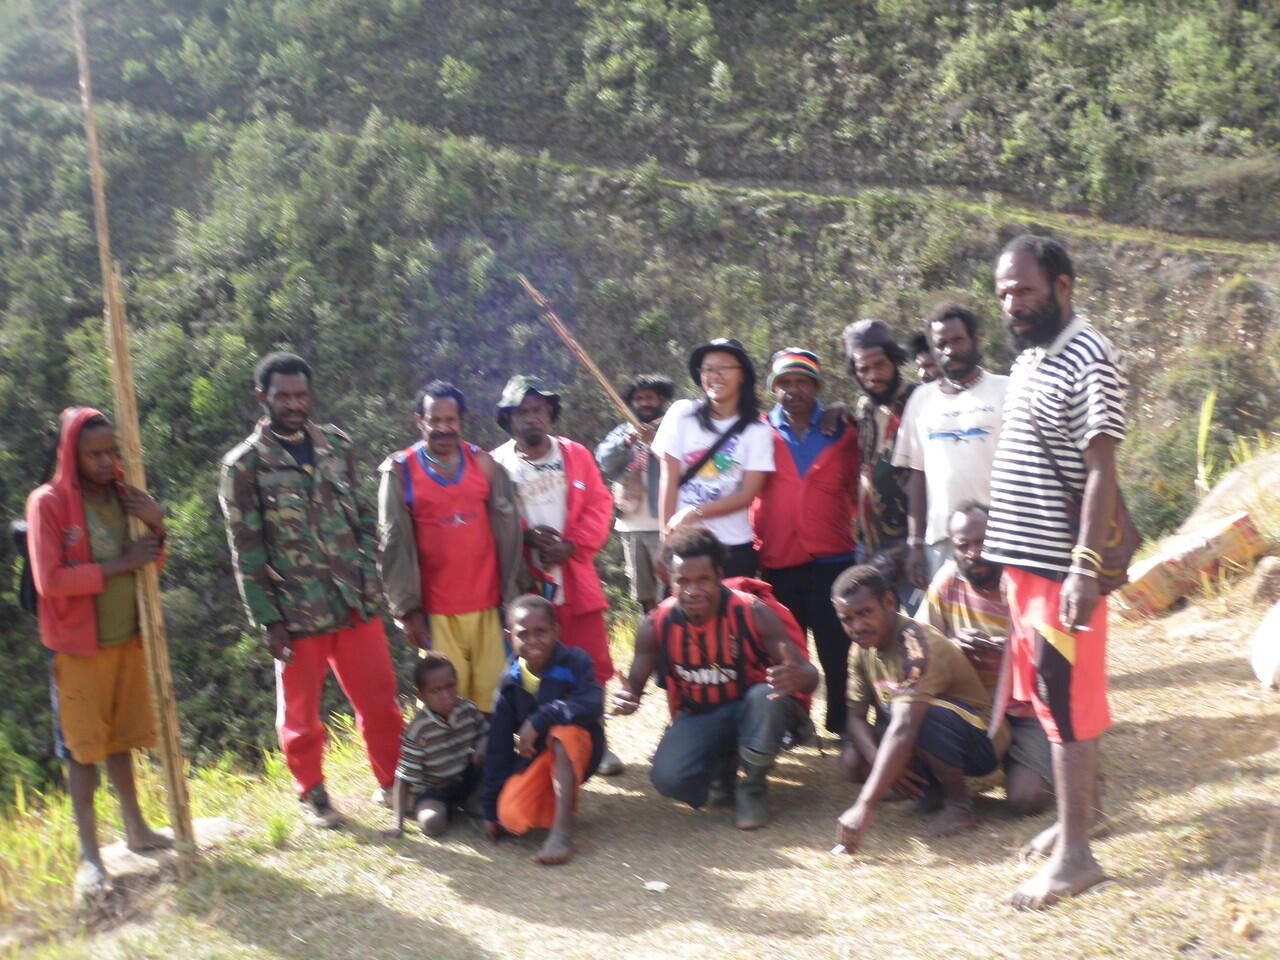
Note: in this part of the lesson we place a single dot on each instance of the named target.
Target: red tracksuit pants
(361, 661)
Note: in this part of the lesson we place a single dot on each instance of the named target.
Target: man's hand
(852, 825)
(558, 553)
(833, 416)
(493, 830)
(528, 739)
(416, 630)
(917, 568)
(139, 504)
(541, 537)
(787, 678)
(625, 701)
(277, 640)
(1077, 601)
(911, 784)
(974, 641)
(140, 552)
(645, 435)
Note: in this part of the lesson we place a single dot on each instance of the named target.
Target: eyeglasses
(716, 371)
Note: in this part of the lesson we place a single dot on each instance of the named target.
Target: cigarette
(1082, 629)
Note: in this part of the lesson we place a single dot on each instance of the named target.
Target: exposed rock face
(1248, 487)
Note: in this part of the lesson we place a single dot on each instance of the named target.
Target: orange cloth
(528, 798)
(104, 702)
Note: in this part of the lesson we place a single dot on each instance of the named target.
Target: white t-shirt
(542, 493)
(683, 437)
(952, 439)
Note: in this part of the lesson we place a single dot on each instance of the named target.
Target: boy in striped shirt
(441, 750)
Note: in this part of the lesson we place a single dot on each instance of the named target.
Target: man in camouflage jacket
(303, 545)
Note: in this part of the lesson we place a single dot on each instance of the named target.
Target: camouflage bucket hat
(513, 394)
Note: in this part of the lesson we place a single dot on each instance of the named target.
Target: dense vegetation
(310, 174)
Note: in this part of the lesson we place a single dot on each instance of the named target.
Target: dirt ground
(1192, 769)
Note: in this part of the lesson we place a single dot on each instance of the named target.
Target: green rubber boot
(722, 785)
(751, 810)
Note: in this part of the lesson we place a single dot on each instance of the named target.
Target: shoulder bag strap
(692, 471)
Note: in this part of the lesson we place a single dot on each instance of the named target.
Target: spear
(555, 323)
(129, 437)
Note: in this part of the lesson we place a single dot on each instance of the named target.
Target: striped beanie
(794, 360)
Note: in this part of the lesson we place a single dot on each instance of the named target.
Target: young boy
(84, 565)
(440, 752)
(546, 736)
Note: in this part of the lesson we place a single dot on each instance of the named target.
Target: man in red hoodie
(803, 517)
(83, 564)
(566, 510)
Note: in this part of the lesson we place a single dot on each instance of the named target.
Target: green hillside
(359, 181)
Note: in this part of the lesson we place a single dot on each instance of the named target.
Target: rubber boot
(751, 811)
(722, 784)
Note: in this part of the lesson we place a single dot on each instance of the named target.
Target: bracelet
(915, 541)
(1083, 572)
(1081, 552)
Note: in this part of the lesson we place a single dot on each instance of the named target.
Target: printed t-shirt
(435, 750)
(1073, 390)
(921, 666)
(951, 439)
(541, 490)
(116, 606)
(683, 437)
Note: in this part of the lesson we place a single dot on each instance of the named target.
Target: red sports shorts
(1062, 674)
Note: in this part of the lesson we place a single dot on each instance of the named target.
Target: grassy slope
(1192, 766)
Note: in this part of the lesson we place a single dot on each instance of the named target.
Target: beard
(648, 414)
(961, 366)
(887, 394)
(1044, 325)
(984, 575)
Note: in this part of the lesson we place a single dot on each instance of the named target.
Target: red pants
(587, 632)
(360, 660)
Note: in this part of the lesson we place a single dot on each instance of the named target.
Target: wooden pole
(129, 439)
(555, 323)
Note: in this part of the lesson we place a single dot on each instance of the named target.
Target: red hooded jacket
(61, 561)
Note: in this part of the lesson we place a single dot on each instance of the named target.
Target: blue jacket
(569, 693)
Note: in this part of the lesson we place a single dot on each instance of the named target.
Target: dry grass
(1193, 773)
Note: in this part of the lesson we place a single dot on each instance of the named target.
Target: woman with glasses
(715, 452)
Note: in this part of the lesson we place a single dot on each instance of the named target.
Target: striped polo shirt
(1074, 389)
(434, 750)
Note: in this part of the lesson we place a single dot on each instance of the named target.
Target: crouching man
(733, 674)
(932, 711)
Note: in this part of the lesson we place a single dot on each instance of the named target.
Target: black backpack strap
(692, 470)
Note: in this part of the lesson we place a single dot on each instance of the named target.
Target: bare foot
(1043, 843)
(92, 882)
(148, 839)
(557, 848)
(954, 818)
(1055, 881)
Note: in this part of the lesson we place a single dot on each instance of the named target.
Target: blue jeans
(696, 744)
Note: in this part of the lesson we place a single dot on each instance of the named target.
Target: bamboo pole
(555, 323)
(129, 439)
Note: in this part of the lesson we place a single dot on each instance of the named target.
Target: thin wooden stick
(129, 438)
(555, 323)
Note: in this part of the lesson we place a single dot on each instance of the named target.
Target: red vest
(457, 559)
(797, 519)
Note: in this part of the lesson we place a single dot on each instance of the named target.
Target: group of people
(939, 541)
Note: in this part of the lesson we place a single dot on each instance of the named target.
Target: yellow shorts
(102, 703)
(473, 641)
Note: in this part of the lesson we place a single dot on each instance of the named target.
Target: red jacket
(588, 515)
(61, 561)
(797, 519)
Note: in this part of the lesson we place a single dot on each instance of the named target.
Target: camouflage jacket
(303, 541)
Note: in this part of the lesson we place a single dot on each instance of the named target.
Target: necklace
(961, 387)
(439, 463)
(290, 438)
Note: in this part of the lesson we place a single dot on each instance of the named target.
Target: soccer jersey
(1073, 391)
